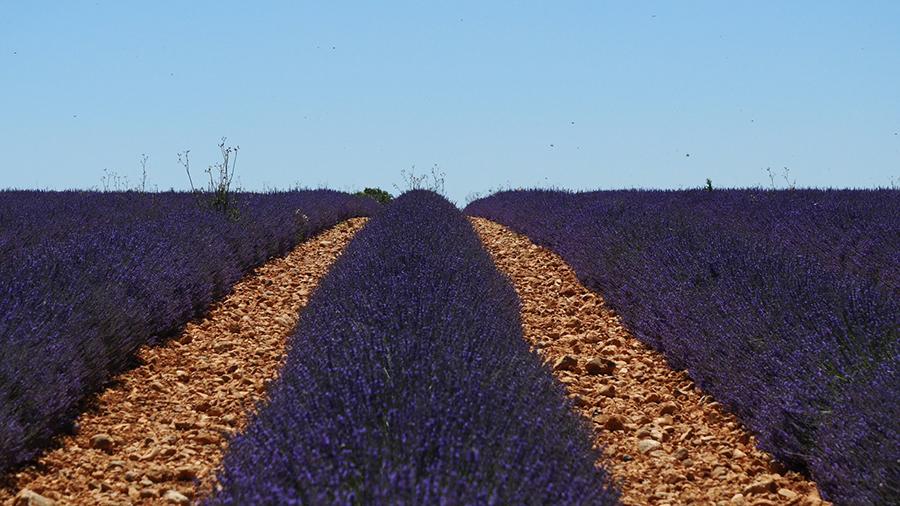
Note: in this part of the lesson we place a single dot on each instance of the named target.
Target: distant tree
(378, 194)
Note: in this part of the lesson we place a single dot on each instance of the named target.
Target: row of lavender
(409, 382)
(782, 305)
(87, 278)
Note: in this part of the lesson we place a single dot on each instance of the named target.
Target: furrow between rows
(159, 431)
(664, 441)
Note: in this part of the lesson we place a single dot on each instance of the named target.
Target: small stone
(599, 366)
(565, 363)
(738, 499)
(176, 497)
(611, 422)
(147, 493)
(652, 397)
(592, 337)
(206, 438)
(185, 425)
(766, 484)
(608, 391)
(153, 452)
(787, 493)
(133, 494)
(132, 476)
(116, 463)
(159, 475)
(27, 497)
(182, 376)
(185, 473)
(647, 445)
(681, 454)
(738, 454)
(668, 408)
(102, 442)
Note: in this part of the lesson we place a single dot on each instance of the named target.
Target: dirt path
(665, 442)
(158, 433)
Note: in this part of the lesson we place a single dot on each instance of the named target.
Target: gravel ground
(156, 435)
(664, 441)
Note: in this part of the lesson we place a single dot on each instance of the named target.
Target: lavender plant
(782, 305)
(86, 278)
(409, 382)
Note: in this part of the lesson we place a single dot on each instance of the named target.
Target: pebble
(102, 442)
(611, 422)
(668, 408)
(565, 363)
(648, 445)
(600, 366)
(176, 497)
(185, 473)
(787, 493)
(765, 484)
(28, 497)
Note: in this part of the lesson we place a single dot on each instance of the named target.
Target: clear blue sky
(578, 94)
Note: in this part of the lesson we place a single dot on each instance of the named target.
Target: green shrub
(378, 194)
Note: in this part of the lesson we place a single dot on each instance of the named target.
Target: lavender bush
(86, 278)
(409, 382)
(782, 305)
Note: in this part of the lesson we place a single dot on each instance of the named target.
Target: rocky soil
(664, 441)
(156, 435)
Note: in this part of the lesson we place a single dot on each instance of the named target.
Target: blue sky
(578, 94)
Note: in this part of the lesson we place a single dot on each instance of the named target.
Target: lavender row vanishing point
(409, 382)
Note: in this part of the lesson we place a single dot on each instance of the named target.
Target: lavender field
(783, 305)
(87, 278)
(407, 377)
